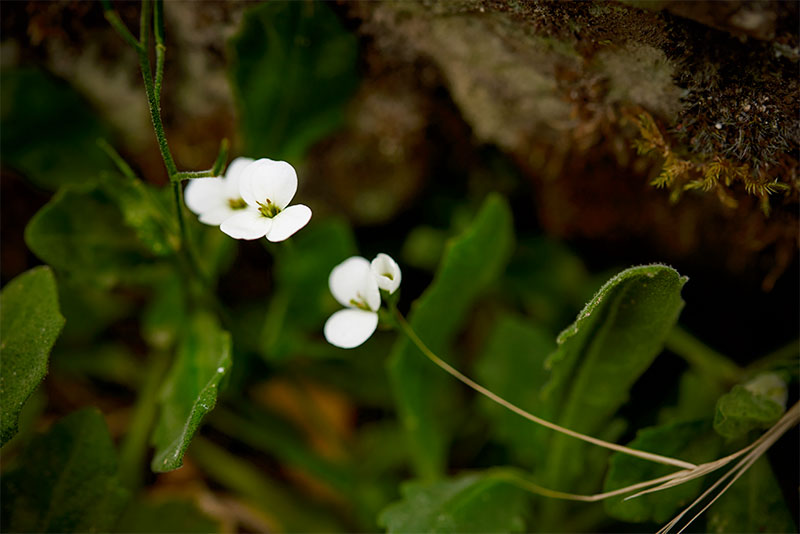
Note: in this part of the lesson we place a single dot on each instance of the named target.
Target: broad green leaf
(476, 502)
(754, 503)
(613, 341)
(422, 392)
(30, 322)
(692, 441)
(293, 71)
(190, 389)
(81, 232)
(66, 481)
(171, 516)
(512, 366)
(302, 301)
(757, 404)
(49, 132)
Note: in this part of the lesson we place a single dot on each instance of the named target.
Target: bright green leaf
(294, 70)
(614, 340)
(692, 441)
(512, 366)
(757, 404)
(30, 322)
(49, 132)
(753, 503)
(190, 389)
(477, 502)
(471, 262)
(173, 516)
(66, 481)
(81, 232)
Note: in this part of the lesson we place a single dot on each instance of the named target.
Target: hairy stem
(527, 415)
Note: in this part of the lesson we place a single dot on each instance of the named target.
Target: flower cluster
(251, 201)
(356, 283)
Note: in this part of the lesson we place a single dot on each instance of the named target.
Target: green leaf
(302, 301)
(757, 404)
(422, 392)
(171, 515)
(66, 481)
(692, 441)
(165, 314)
(49, 131)
(753, 503)
(476, 502)
(81, 232)
(144, 211)
(512, 366)
(614, 340)
(30, 322)
(190, 389)
(285, 53)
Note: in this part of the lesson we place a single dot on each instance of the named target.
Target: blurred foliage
(293, 69)
(57, 144)
(66, 481)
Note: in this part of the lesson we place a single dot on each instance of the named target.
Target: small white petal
(233, 175)
(386, 272)
(288, 222)
(204, 194)
(265, 179)
(351, 281)
(217, 216)
(247, 224)
(350, 328)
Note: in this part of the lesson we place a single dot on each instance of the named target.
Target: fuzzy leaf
(66, 481)
(757, 404)
(30, 321)
(472, 261)
(469, 503)
(81, 232)
(283, 55)
(512, 365)
(190, 389)
(613, 341)
(754, 503)
(692, 441)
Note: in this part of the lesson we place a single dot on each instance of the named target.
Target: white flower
(355, 284)
(386, 272)
(215, 200)
(267, 187)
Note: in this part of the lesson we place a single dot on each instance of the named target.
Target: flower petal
(204, 194)
(350, 328)
(247, 224)
(217, 216)
(233, 176)
(288, 222)
(387, 272)
(265, 179)
(348, 279)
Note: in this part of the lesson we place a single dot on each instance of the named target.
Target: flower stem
(657, 458)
